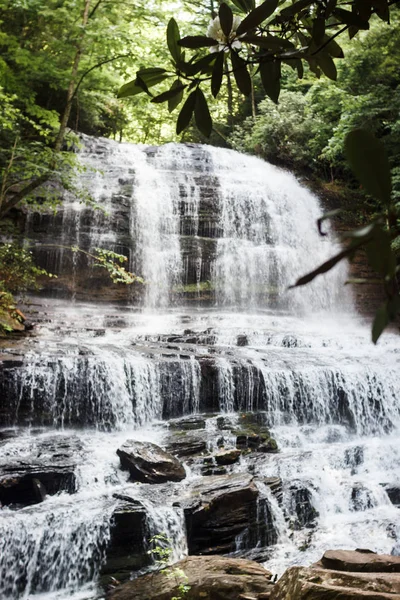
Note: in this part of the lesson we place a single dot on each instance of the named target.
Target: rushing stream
(218, 237)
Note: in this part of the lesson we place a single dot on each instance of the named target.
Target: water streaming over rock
(215, 334)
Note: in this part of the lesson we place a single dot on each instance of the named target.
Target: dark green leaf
(369, 162)
(129, 89)
(381, 321)
(363, 8)
(197, 41)
(329, 215)
(318, 30)
(257, 16)
(350, 18)
(226, 19)
(201, 66)
(330, 6)
(186, 113)
(326, 64)
(176, 100)
(267, 41)
(326, 266)
(333, 48)
(147, 78)
(240, 4)
(242, 77)
(174, 91)
(290, 11)
(142, 84)
(379, 252)
(202, 114)
(271, 78)
(217, 74)
(173, 36)
(381, 8)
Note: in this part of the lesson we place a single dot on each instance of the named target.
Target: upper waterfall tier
(197, 223)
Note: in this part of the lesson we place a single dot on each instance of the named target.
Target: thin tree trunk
(71, 87)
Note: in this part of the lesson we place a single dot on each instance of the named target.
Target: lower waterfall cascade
(213, 354)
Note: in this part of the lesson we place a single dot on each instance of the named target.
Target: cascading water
(213, 333)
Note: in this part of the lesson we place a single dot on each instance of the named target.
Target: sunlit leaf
(174, 91)
(148, 77)
(173, 36)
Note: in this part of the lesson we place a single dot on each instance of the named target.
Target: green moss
(191, 288)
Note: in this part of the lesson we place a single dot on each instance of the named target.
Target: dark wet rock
(148, 463)
(262, 442)
(301, 583)
(227, 457)
(358, 561)
(394, 494)
(188, 423)
(301, 508)
(217, 511)
(354, 457)
(275, 485)
(360, 498)
(127, 548)
(242, 340)
(48, 469)
(208, 578)
(186, 444)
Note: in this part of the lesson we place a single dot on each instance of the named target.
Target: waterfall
(199, 217)
(212, 339)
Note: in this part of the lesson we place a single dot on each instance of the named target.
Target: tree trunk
(71, 87)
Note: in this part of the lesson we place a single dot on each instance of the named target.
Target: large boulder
(221, 508)
(358, 561)
(343, 575)
(302, 583)
(127, 547)
(185, 444)
(148, 463)
(207, 578)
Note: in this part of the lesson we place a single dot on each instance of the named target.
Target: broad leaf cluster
(245, 40)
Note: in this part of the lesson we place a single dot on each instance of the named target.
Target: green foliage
(265, 36)
(161, 552)
(18, 272)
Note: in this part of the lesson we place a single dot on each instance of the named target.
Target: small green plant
(161, 552)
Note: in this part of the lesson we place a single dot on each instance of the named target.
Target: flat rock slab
(208, 577)
(148, 463)
(46, 468)
(302, 583)
(360, 561)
